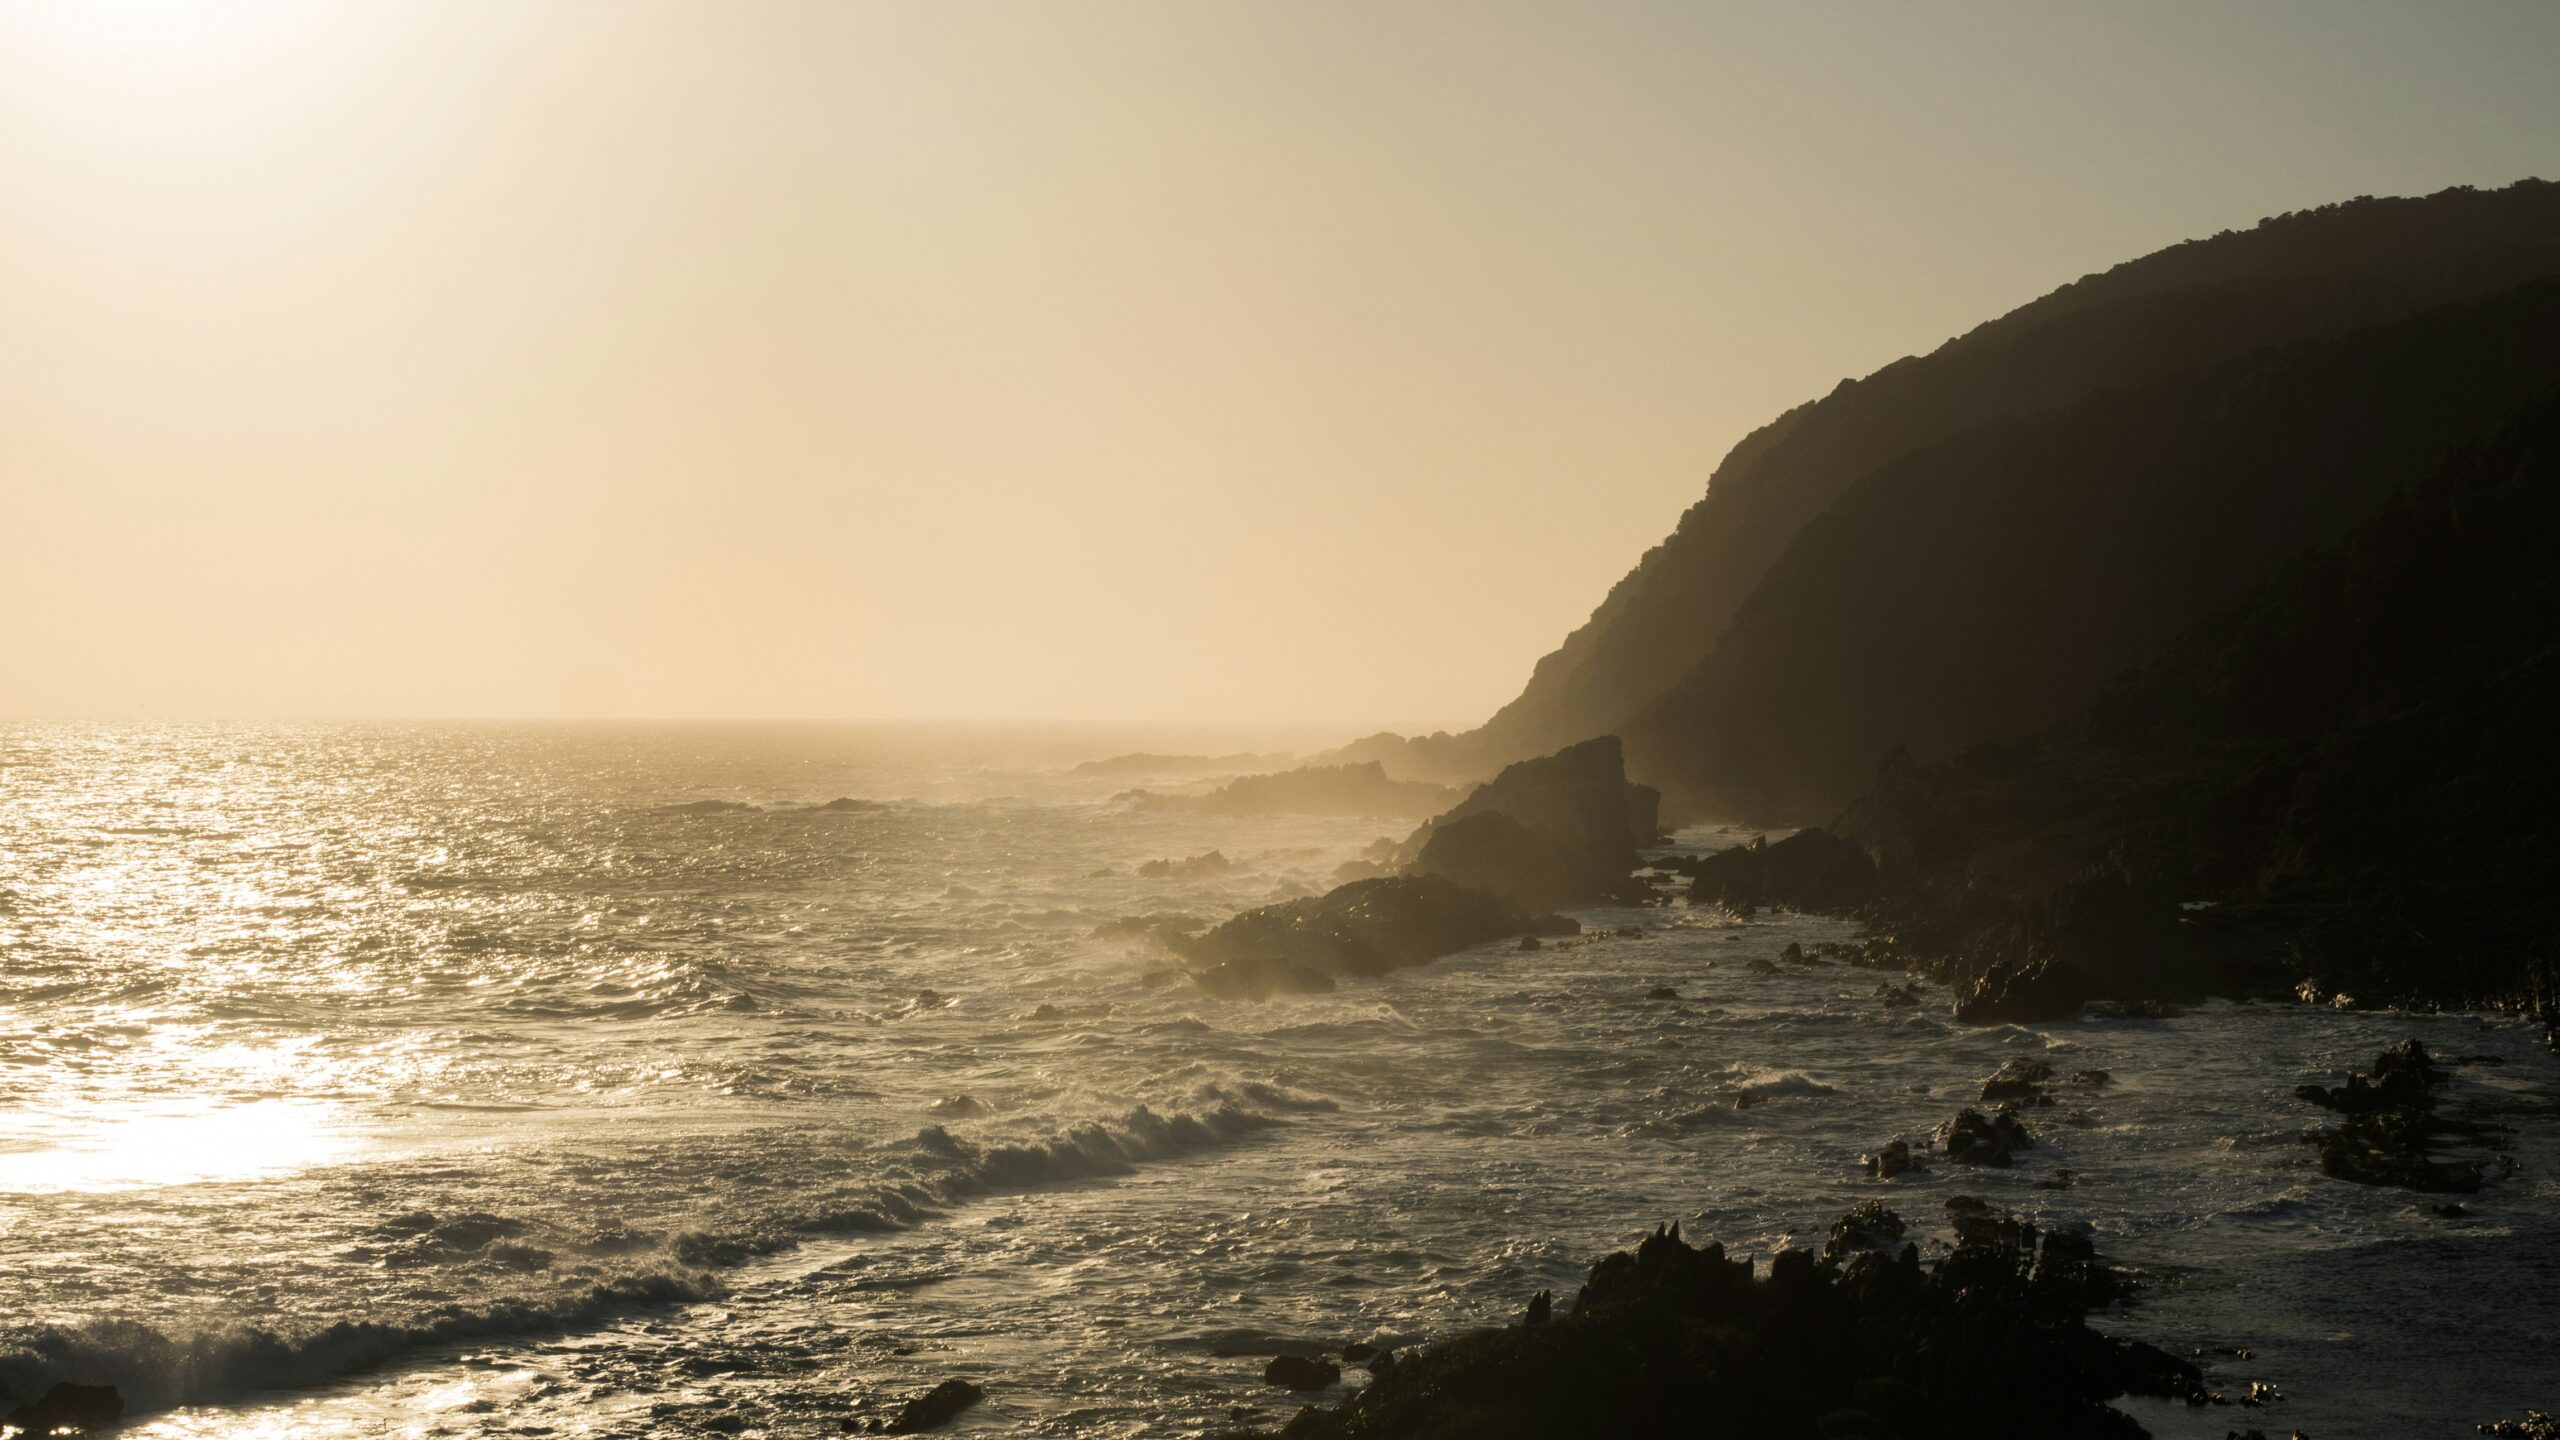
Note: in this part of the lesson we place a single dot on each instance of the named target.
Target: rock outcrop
(1558, 830)
(1864, 1340)
(1811, 870)
(1367, 927)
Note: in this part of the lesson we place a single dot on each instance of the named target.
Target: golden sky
(1306, 361)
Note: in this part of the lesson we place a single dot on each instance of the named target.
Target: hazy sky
(1174, 360)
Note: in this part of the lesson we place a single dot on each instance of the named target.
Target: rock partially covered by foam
(1367, 927)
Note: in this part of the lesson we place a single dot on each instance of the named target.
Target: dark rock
(71, 1408)
(1365, 928)
(1542, 1308)
(2390, 1126)
(1905, 996)
(936, 1407)
(1210, 863)
(846, 804)
(1531, 942)
(1973, 1138)
(2536, 1425)
(1662, 992)
(1679, 1340)
(1811, 870)
(1894, 1159)
(2020, 1078)
(1558, 830)
(1302, 1372)
(2099, 1079)
(2024, 992)
(1762, 965)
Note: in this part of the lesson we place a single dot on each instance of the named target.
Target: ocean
(596, 1080)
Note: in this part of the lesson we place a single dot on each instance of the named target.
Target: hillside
(2313, 275)
(2345, 783)
(1986, 587)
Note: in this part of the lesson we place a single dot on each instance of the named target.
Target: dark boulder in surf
(1973, 1138)
(2021, 1079)
(1302, 1372)
(1367, 927)
(846, 804)
(936, 1407)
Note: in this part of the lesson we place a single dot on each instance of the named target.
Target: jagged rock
(2024, 992)
(1365, 928)
(1542, 1308)
(1811, 870)
(2390, 1126)
(936, 1407)
(1973, 1138)
(1302, 1372)
(1679, 1340)
(1894, 1159)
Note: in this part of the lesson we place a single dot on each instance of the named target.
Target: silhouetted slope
(1986, 587)
(2355, 767)
(2315, 274)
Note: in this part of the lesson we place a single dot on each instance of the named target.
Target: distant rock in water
(843, 804)
(1562, 829)
(1863, 1341)
(1368, 927)
(1208, 863)
(1811, 870)
(1310, 790)
(1143, 763)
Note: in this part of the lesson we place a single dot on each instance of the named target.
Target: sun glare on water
(130, 1147)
